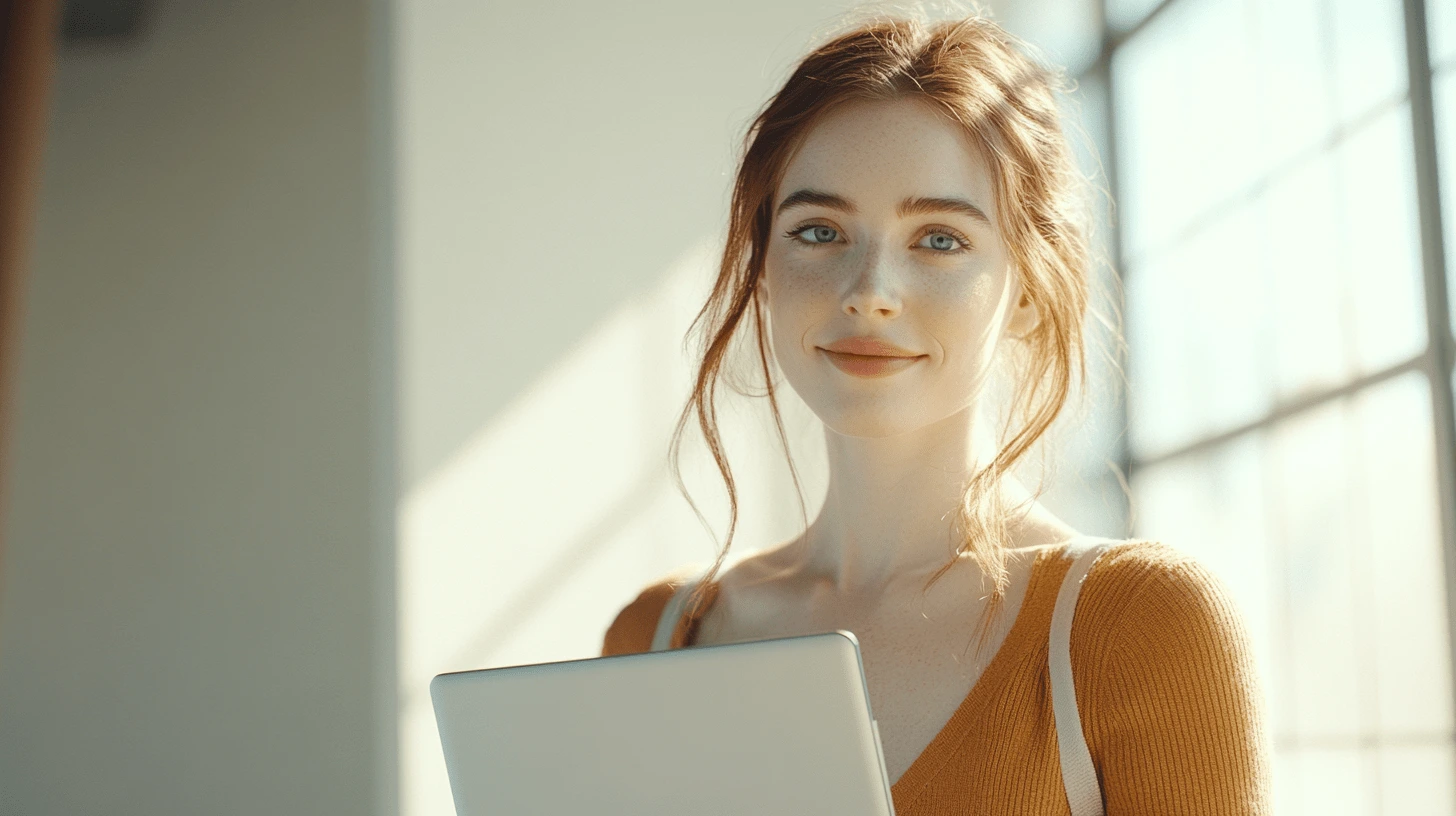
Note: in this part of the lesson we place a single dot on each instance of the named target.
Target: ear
(1024, 317)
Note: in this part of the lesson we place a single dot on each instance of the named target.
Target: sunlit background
(354, 337)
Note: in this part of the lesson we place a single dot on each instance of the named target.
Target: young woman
(907, 216)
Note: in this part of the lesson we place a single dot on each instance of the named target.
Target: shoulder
(1144, 599)
(1146, 572)
(632, 629)
(1174, 706)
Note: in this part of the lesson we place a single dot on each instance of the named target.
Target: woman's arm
(1176, 722)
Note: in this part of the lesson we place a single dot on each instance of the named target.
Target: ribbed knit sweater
(1171, 707)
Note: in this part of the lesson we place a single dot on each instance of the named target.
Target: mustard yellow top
(1171, 707)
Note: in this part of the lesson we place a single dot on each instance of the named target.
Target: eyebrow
(910, 206)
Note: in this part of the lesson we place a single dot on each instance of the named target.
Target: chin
(865, 422)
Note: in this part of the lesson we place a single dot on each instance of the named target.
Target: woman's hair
(975, 73)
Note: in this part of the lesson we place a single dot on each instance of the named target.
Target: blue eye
(821, 234)
(942, 241)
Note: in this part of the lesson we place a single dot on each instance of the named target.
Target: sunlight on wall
(523, 547)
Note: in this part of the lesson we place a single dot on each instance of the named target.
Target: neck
(891, 508)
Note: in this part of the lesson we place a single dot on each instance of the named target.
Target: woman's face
(885, 227)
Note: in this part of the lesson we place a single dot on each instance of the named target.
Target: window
(1289, 414)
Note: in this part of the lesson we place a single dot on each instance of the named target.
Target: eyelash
(964, 242)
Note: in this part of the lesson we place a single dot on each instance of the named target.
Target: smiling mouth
(869, 366)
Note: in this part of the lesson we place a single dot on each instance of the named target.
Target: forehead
(876, 153)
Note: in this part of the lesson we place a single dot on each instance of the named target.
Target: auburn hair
(985, 80)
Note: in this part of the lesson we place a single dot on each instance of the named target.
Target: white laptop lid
(775, 727)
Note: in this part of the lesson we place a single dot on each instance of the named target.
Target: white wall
(564, 170)
(196, 585)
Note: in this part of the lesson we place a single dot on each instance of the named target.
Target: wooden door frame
(28, 31)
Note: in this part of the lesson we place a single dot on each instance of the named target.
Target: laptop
(778, 727)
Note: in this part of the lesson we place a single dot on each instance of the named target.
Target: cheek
(795, 275)
(798, 290)
(971, 328)
(982, 296)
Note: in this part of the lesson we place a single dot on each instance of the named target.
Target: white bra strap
(1078, 773)
(667, 622)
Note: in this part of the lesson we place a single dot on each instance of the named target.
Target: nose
(874, 289)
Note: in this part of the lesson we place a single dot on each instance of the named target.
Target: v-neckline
(925, 765)
(920, 771)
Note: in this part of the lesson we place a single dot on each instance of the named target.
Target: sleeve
(632, 630)
(1176, 723)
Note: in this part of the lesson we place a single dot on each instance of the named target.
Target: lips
(869, 356)
(869, 365)
(866, 346)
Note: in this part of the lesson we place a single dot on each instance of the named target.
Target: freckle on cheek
(982, 287)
